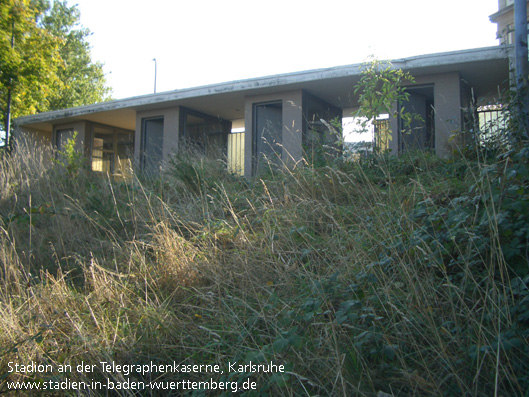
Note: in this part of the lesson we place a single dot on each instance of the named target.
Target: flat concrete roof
(480, 67)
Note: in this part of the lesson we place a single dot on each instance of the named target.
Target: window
(151, 143)
(319, 133)
(124, 153)
(417, 132)
(382, 133)
(268, 133)
(205, 133)
(112, 150)
(493, 126)
(61, 140)
(62, 137)
(103, 150)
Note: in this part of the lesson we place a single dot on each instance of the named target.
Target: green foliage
(380, 90)
(403, 275)
(29, 56)
(45, 59)
(82, 81)
(380, 87)
(324, 146)
(70, 159)
(471, 244)
(494, 210)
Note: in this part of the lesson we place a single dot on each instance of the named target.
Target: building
(504, 19)
(280, 116)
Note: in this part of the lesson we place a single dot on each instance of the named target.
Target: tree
(381, 87)
(45, 61)
(28, 59)
(82, 82)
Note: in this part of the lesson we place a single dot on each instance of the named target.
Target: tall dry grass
(347, 274)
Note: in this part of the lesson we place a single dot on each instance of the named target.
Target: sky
(200, 42)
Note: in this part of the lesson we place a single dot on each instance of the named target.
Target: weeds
(403, 275)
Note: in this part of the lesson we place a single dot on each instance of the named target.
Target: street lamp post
(155, 68)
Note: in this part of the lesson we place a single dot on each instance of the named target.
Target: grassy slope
(385, 276)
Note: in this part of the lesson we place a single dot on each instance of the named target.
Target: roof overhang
(494, 17)
(481, 67)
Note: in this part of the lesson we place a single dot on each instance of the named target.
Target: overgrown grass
(405, 276)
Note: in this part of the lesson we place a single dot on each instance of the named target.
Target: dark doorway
(151, 143)
(320, 137)
(268, 132)
(417, 129)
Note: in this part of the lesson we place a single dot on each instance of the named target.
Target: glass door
(151, 143)
(268, 134)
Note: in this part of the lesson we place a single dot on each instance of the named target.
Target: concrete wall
(170, 130)
(238, 124)
(448, 107)
(292, 133)
(39, 136)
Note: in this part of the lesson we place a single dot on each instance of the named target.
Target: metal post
(155, 70)
(8, 120)
(8, 138)
(521, 63)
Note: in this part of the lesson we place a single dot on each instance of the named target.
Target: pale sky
(199, 42)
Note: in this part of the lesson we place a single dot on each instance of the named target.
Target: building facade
(275, 119)
(504, 19)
